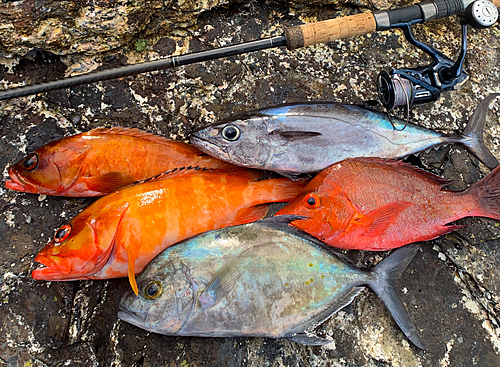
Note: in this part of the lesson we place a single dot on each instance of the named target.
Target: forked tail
(472, 136)
(487, 194)
(385, 274)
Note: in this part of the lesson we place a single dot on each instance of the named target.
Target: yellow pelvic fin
(131, 272)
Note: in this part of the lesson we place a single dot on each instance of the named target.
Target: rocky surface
(451, 288)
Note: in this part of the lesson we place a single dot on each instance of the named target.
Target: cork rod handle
(329, 30)
(364, 23)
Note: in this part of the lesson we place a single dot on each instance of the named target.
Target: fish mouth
(53, 268)
(18, 183)
(139, 320)
(209, 147)
(130, 316)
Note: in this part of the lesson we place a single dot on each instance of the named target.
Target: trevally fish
(264, 279)
(120, 233)
(102, 160)
(377, 204)
(308, 137)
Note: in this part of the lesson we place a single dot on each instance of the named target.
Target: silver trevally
(308, 137)
(264, 279)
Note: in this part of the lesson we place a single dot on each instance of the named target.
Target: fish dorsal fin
(221, 284)
(129, 131)
(250, 174)
(334, 307)
(178, 171)
(376, 222)
(400, 165)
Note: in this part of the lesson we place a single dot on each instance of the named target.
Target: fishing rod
(306, 35)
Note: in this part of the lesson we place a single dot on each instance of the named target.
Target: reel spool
(408, 87)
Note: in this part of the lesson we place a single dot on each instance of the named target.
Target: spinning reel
(423, 84)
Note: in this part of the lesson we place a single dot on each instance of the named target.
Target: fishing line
(402, 90)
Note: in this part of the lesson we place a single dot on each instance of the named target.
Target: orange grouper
(119, 234)
(375, 204)
(102, 160)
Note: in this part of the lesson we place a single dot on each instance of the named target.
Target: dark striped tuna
(308, 137)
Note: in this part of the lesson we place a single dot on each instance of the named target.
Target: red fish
(102, 160)
(375, 204)
(119, 234)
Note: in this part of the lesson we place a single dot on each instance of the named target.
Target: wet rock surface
(451, 288)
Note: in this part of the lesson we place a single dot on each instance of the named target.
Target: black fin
(370, 103)
(295, 176)
(295, 135)
(303, 338)
(280, 220)
(385, 273)
(473, 133)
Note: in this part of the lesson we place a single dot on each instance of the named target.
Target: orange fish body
(102, 160)
(375, 204)
(121, 233)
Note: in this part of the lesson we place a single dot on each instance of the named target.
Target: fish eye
(152, 290)
(30, 162)
(231, 133)
(62, 233)
(311, 201)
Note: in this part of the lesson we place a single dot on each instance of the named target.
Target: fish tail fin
(276, 190)
(487, 195)
(472, 136)
(383, 284)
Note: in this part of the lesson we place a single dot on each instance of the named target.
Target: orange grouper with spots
(119, 234)
(102, 160)
(376, 204)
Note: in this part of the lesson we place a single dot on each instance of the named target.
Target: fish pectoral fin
(221, 284)
(131, 256)
(377, 221)
(303, 338)
(295, 135)
(108, 182)
(248, 215)
(73, 155)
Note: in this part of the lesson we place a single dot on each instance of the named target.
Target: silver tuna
(263, 279)
(308, 137)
